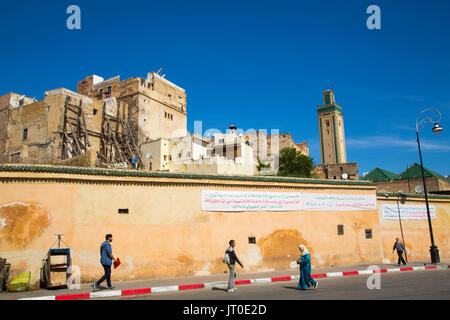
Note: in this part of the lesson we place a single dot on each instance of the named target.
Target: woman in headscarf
(305, 270)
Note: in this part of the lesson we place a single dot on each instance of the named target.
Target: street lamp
(434, 251)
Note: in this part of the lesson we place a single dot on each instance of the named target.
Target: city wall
(165, 232)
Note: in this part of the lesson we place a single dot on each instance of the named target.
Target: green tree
(294, 164)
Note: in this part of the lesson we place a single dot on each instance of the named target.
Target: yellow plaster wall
(166, 233)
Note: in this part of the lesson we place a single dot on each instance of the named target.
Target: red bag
(116, 263)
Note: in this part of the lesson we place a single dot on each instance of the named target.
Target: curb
(132, 292)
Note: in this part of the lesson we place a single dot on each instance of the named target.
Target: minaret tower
(331, 129)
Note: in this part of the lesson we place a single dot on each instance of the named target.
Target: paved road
(397, 285)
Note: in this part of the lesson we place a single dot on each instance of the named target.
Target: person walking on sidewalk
(305, 270)
(400, 248)
(106, 259)
(231, 265)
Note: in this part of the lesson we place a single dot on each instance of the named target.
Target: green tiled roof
(148, 174)
(414, 171)
(377, 175)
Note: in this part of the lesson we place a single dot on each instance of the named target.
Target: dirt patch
(280, 247)
(21, 223)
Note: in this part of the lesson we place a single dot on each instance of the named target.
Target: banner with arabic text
(250, 201)
(339, 202)
(407, 212)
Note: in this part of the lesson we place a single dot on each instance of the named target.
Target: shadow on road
(217, 288)
(295, 288)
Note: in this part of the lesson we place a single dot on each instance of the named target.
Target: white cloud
(389, 141)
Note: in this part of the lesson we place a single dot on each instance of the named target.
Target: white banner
(407, 212)
(339, 202)
(250, 201)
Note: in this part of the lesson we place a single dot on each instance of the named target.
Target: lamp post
(434, 251)
(403, 199)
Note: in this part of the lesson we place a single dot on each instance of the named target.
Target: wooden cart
(52, 269)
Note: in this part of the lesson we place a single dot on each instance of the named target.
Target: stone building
(34, 132)
(8, 103)
(285, 140)
(156, 106)
(339, 171)
(111, 117)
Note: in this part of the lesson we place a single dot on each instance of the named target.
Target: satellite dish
(400, 191)
(344, 176)
(418, 189)
(149, 155)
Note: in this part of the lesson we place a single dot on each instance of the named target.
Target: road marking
(165, 289)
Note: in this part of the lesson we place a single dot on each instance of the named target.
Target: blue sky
(256, 64)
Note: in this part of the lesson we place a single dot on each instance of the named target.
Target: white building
(227, 154)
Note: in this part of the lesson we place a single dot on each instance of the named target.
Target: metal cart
(48, 268)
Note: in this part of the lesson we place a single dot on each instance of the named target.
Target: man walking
(400, 248)
(233, 258)
(106, 259)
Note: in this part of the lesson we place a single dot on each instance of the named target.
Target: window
(25, 134)
(95, 112)
(109, 88)
(327, 123)
(251, 240)
(170, 96)
(368, 233)
(100, 91)
(340, 229)
(123, 211)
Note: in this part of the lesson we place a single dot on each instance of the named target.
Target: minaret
(331, 129)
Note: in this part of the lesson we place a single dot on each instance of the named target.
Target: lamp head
(437, 129)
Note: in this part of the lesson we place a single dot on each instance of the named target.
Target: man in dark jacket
(400, 248)
(106, 259)
(233, 258)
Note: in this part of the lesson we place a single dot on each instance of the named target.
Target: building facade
(331, 130)
(156, 106)
(39, 132)
(227, 153)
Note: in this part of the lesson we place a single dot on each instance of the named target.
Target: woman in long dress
(305, 270)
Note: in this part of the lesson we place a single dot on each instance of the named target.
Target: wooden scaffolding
(75, 136)
(117, 144)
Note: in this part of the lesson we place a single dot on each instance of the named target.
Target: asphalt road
(412, 285)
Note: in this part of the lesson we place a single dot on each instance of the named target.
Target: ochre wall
(167, 234)
(416, 232)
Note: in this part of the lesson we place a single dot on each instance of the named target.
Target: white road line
(165, 289)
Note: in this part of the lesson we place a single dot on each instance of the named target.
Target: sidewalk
(195, 282)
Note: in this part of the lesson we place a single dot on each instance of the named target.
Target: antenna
(160, 69)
